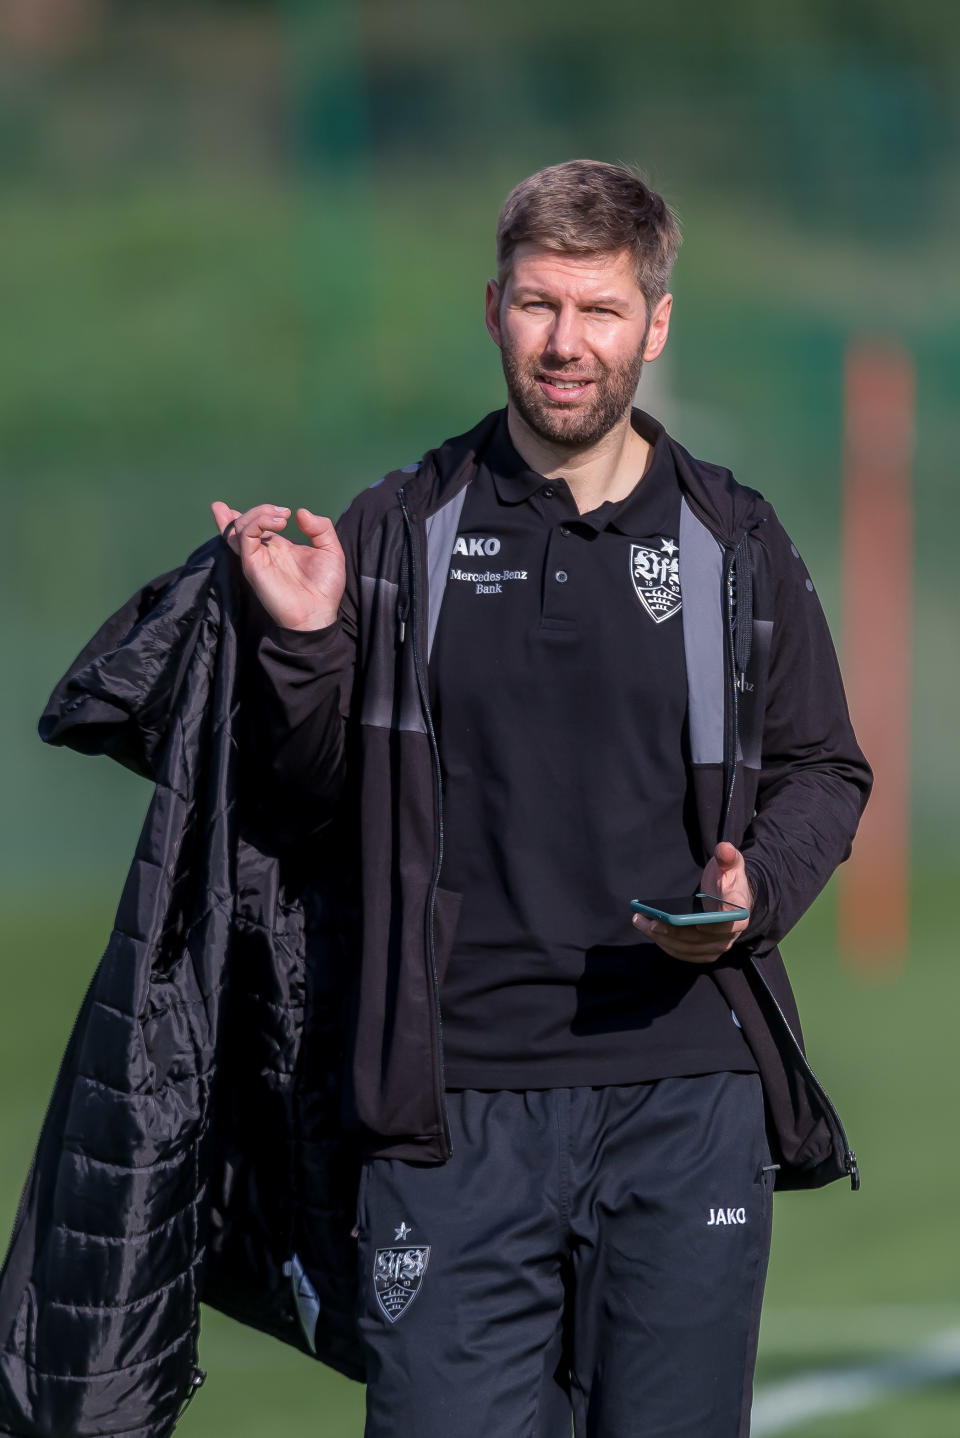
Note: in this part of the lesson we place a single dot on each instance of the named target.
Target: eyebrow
(530, 292)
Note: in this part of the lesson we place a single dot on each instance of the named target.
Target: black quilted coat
(178, 1140)
(244, 1019)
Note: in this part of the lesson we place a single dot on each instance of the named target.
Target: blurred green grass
(854, 1277)
(142, 386)
(931, 1414)
(170, 341)
(242, 256)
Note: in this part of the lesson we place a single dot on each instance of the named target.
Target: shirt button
(548, 490)
(561, 576)
(564, 531)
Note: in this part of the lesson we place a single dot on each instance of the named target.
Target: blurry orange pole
(873, 915)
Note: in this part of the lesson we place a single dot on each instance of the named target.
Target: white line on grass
(780, 1407)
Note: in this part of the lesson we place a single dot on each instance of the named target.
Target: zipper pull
(403, 609)
(196, 1382)
(853, 1169)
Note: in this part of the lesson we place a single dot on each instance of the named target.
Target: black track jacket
(268, 1000)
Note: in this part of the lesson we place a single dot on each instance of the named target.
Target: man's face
(573, 332)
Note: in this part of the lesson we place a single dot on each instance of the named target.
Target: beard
(581, 423)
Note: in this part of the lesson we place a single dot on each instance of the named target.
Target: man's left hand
(726, 877)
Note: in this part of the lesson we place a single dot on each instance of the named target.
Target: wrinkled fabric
(177, 1149)
(565, 1257)
(780, 775)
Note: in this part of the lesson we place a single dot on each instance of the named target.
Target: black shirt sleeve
(305, 679)
(299, 700)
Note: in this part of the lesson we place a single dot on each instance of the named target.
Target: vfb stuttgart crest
(656, 578)
(397, 1276)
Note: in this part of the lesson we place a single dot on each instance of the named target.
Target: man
(628, 690)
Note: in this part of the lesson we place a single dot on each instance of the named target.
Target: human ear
(492, 311)
(659, 328)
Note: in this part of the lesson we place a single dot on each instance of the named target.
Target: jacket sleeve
(299, 702)
(814, 780)
(119, 694)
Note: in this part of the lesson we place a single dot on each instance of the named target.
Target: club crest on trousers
(397, 1277)
(656, 578)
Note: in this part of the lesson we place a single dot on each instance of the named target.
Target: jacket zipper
(423, 687)
(732, 727)
(197, 1378)
(731, 746)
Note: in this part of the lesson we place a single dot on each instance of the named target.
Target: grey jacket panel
(701, 587)
(442, 528)
(386, 705)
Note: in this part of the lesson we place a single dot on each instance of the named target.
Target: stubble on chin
(576, 426)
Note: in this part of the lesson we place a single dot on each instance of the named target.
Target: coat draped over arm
(178, 1146)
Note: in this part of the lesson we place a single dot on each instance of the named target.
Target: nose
(566, 338)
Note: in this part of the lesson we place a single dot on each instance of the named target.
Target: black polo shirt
(559, 696)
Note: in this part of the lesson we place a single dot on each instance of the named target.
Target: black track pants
(600, 1251)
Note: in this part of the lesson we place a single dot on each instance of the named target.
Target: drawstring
(403, 592)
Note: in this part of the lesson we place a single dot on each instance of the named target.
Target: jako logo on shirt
(726, 1215)
(473, 546)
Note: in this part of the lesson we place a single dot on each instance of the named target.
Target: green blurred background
(242, 256)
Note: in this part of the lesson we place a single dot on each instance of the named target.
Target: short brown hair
(586, 207)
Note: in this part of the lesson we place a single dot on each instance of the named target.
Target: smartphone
(691, 909)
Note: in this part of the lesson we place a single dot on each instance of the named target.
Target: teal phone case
(726, 916)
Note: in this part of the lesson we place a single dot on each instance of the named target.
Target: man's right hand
(299, 585)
